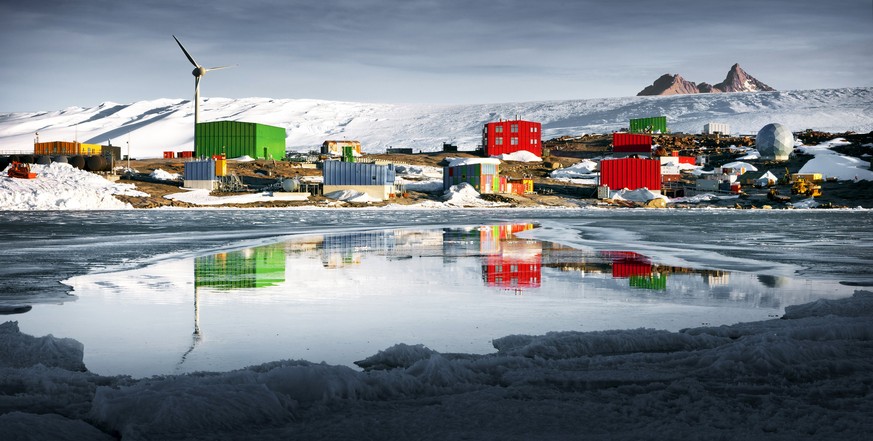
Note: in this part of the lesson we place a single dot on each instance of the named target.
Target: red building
(510, 136)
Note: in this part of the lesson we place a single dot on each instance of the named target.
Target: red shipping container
(688, 160)
(631, 143)
(631, 173)
(169, 155)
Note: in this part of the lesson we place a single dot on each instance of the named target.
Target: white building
(713, 128)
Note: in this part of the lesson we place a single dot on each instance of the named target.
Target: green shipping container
(654, 124)
(235, 139)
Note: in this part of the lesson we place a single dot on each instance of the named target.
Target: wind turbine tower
(198, 72)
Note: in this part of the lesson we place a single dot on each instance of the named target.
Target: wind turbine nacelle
(198, 71)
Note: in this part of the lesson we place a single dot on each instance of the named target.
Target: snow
(454, 162)
(704, 197)
(751, 155)
(351, 196)
(167, 124)
(766, 179)
(739, 165)
(519, 156)
(805, 203)
(638, 195)
(835, 165)
(244, 158)
(799, 377)
(164, 175)
(582, 172)
(63, 187)
(464, 195)
(203, 197)
(419, 177)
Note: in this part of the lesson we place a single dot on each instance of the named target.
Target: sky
(62, 53)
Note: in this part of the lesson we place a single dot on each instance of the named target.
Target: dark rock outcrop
(737, 80)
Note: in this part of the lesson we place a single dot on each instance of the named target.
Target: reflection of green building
(250, 268)
(655, 281)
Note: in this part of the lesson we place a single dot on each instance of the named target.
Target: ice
(739, 165)
(799, 377)
(638, 195)
(203, 197)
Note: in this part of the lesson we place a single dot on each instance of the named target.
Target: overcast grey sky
(57, 54)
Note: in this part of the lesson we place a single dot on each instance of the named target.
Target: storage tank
(27, 159)
(78, 161)
(43, 159)
(60, 159)
(291, 185)
(775, 142)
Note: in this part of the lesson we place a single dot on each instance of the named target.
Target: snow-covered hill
(152, 127)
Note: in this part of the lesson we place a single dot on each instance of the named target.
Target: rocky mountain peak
(737, 80)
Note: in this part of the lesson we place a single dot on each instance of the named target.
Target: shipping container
(66, 148)
(653, 124)
(510, 136)
(355, 173)
(631, 173)
(520, 186)
(655, 282)
(484, 178)
(236, 139)
(199, 170)
(631, 143)
(169, 155)
(348, 153)
(671, 178)
(186, 154)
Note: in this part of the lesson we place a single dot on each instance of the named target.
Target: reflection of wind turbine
(198, 72)
(197, 335)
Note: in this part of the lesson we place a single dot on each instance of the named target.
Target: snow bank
(244, 158)
(164, 175)
(705, 197)
(638, 195)
(351, 196)
(454, 162)
(805, 203)
(464, 195)
(421, 178)
(834, 165)
(203, 197)
(63, 187)
(519, 156)
(582, 172)
(799, 377)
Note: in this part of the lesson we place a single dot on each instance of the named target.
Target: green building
(235, 139)
(653, 124)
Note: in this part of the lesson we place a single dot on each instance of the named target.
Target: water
(171, 292)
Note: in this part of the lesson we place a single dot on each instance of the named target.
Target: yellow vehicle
(803, 187)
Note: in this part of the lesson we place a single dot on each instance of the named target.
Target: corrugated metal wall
(653, 124)
(630, 173)
(632, 143)
(199, 170)
(483, 177)
(66, 148)
(235, 139)
(355, 173)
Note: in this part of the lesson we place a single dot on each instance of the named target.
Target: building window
(498, 129)
(533, 129)
(513, 141)
(513, 128)
(498, 140)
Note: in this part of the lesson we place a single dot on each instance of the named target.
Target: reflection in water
(249, 268)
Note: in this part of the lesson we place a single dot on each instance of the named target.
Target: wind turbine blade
(221, 67)
(190, 58)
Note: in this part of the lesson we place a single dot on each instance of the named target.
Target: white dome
(774, 141)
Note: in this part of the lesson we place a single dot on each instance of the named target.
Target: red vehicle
(19, 170)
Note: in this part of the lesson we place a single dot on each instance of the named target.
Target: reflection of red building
(627, 264)
(515, 263)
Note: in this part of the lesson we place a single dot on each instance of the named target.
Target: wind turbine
(198, 72)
